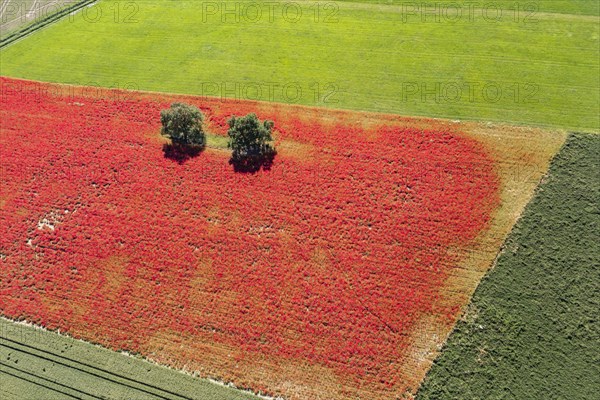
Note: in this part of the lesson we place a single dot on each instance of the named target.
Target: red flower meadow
(329, 258)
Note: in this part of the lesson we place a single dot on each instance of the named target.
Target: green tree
(250, 139)
(183, 124)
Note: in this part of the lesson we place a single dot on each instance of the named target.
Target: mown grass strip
(39, 24)
(573, 7)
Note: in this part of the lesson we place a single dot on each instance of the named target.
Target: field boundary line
(397, 8)
(369, 113)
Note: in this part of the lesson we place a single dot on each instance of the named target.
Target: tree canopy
(250, 139)
(183, 124)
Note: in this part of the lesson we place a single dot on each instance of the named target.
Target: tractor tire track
(144, 388)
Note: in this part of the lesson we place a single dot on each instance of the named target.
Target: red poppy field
(308, 280)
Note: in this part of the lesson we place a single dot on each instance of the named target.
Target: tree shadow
(180, 152)
(250, 164)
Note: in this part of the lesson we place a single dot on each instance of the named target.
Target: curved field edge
(542, 74)
(47, 365)
(532, 327)
(521, 156)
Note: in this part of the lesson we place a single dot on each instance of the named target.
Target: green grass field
(543, 70)
(532, 329)
(37, 364)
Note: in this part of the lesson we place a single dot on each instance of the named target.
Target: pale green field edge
(39, 364)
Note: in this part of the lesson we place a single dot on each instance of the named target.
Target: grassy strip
(356, 56)
(216, 141)
(575, 7)
(39, 24)
(42, 364)
(531, 331)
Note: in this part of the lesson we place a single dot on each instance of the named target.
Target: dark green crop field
(532, 329)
